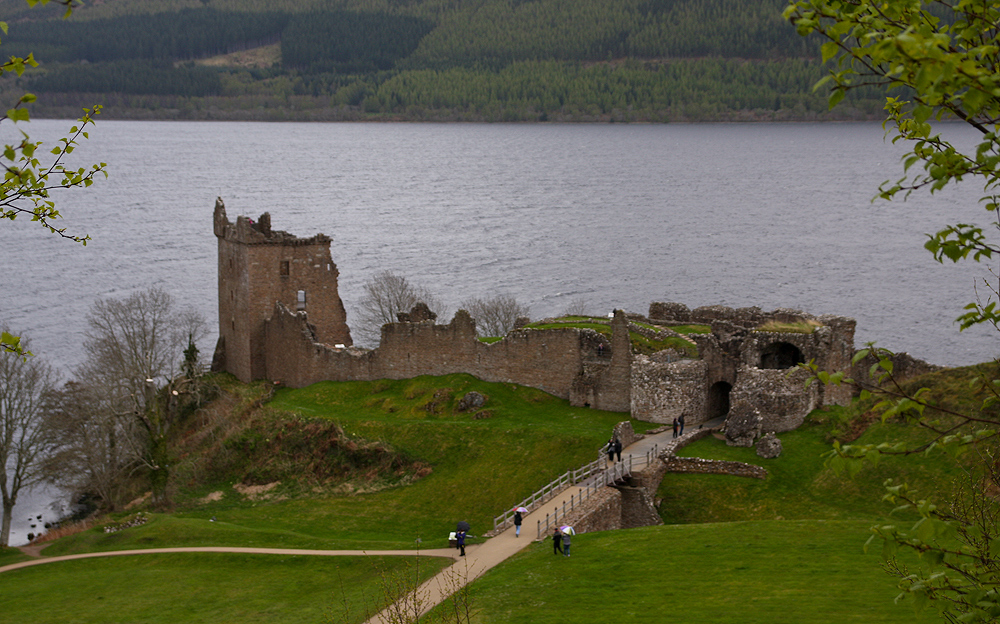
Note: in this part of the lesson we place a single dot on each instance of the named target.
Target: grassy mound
(800, 485)
(640, 344)
(474, 466)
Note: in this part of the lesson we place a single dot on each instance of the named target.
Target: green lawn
(740, 572)
(202, 587)
(11, 555)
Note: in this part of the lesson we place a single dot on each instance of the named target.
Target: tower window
(284, 267)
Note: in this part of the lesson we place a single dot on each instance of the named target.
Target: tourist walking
(675, 428)
(680, 421)
(618, 449)
(557, 538)
(461, 543)
(565, 543)
(517, 524)
(610, 448)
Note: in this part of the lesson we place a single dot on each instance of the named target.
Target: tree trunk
(159, 474)
(8, 513)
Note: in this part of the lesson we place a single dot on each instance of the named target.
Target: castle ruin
(281, 318)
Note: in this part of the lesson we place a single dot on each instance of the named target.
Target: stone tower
(258, 267)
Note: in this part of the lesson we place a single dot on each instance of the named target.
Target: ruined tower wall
(258, 267)
(614, 388)
(295, 359)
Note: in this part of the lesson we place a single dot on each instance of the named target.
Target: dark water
(773, 215)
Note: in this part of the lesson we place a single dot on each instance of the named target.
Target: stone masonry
(281, 318)
(258, 267)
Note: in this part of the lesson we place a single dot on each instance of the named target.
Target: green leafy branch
(952, 431)
(959, 542)
(27, 182)
(949, 66)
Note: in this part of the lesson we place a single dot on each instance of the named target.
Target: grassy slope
(800, 486)
(530, 438)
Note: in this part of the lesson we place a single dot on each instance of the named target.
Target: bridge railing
(590, 477)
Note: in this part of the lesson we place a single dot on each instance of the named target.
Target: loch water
(617, 216)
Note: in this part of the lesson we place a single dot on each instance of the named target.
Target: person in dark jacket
(517, 524)
(461, 543)
(680, 421)
(618, 449)
(675, 428)
(557, 542)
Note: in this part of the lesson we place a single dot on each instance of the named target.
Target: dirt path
(440, 552)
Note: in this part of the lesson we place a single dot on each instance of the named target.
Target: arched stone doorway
(780, 355)
(718, 400)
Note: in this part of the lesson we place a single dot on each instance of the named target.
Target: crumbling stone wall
(664, 391)
(626, 434)
(669, 313)
(698, 465)
(780, 396)
(601, 512)
(259, 266)
(547, 359)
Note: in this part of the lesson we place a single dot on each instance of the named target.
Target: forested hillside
(494, 60)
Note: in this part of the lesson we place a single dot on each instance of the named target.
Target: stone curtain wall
(601, 512)
(904, 367)
(550, 360)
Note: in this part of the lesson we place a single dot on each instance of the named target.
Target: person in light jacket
(565, 543)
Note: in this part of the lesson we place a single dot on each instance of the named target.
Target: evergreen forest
(475, 60)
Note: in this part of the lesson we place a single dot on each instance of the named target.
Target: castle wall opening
(780, 355)
(718, 400)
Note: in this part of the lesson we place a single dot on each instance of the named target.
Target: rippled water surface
(772, 215)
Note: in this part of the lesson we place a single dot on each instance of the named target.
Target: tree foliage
(943, 58)
(496, 315)
(492, 60)
(29, 177)
(387, 294)
(138, 349)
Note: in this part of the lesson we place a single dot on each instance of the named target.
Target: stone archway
(780, 355)
(718, 400)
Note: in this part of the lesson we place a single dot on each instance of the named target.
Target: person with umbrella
(566, 531)
(517, 520)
